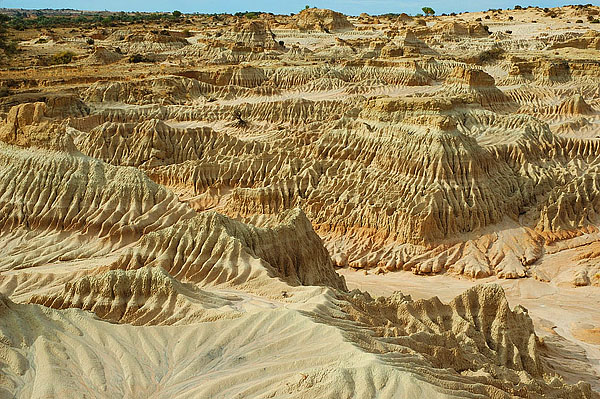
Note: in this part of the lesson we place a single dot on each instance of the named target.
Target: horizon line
(273, 13)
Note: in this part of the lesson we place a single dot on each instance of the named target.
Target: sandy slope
(264, 353)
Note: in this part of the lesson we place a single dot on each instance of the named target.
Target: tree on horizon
(428, 11)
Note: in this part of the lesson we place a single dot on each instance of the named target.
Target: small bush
(135, 58)
(239, 121)
(510, 18)
(10, 47)
(64, 57)
(4, 91)
(487, 17)
(90, 41)
(595, 21)
(579, 21)
(248, 14)
(186, 33)
(428, 11)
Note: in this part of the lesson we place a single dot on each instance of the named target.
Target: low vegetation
(9, 47)
(428, 11)
(249, 14)
(37, 20)
(64, 57)
(137, 58)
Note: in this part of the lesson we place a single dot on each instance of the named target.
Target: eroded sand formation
(174, 204)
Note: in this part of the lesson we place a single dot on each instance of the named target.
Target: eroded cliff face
(389, 182)
(401, 160)
(207, 193)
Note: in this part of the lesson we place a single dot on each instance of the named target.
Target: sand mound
(27, 125)
(146, 296)
(87, 198)
(479, 85)
(146, 42)
(161, 90)
(589, 40)
(409, 43)
(149, 144)
(255, 34)
(554, 73)
(476, 334)
(213, 249)
(321, 20)
(454, 29)
(480, 320)
(103, 56)
(571, 106)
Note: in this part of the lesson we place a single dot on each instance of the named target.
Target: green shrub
(136, 58)
(428, 11)
(9, 46)
(64, 57)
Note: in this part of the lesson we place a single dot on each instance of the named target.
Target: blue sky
(350, 7)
